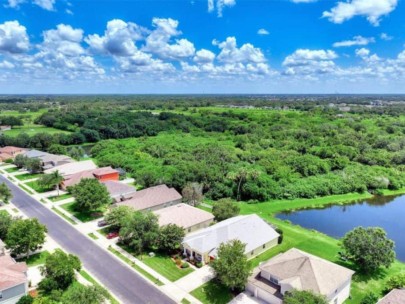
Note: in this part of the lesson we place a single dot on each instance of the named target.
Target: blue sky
(202, 46)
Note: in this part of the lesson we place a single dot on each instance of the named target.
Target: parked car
(101, 223)
(112, 235)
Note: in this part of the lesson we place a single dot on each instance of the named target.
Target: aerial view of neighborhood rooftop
(202, 152)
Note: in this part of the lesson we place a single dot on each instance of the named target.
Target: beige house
(72, 167)
(119, 191)
(395, 296)
(188, 217)
(296, 269)
(251, 230)
(13, 280)
(153, 198)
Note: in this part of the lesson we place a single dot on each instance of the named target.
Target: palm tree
(53, 179)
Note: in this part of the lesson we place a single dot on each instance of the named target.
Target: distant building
(188, 217)
(296, 269)
(13, 280)
(395, 296)
(153, 198)
(73, 167)
(102, 174)
(251, 230)
(9, 152)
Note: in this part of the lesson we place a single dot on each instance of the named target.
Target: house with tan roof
(296, 269)
(153, 198)
(251, 230)
(119, 191)
(13, 280)
(188, 217)
(102, 174)
(49, 161)
(72, 168)
(9, 152)
(395, 296)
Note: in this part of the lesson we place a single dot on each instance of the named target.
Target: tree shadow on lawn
(216, 293)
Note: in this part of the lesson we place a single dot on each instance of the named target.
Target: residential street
(116, 277)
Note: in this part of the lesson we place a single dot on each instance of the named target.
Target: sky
(202, 46)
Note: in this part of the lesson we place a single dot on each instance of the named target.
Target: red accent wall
(108, 177)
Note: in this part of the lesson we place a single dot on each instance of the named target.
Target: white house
(251, 230)
(296, 269)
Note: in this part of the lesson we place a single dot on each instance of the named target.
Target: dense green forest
(282, 150)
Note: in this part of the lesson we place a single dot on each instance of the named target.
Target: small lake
(387, 212)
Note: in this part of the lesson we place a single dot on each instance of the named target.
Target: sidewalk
(196, 279)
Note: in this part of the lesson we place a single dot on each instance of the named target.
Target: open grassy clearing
(32, 130)
(36, 259)
(164, 265)
(80, 215)
(27, 176)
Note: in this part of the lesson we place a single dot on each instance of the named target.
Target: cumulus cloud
(159, 41)
(230, 52)
(305, 61)
(219, 5)
(373, 10)
(386, 37)
(262, 32)
(204, 56)
(13, 38)
(48, 5)
(357, 40)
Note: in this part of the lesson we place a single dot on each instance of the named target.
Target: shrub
(27, 299)
(281, 233)
(370, 298)
(185, 265)
(396, 281)
(179, 262)
(199, 264)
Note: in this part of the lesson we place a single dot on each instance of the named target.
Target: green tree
(59, 271)
(5, 223)
(27, 299)
(370, 298)
(76, 153)
(170, 238)
(25, 235)
(303, 296)
(241, 176)
(369, 248)
(231, 266)
(20, 161)
(5, 193)
(140, 231)
(395, 282)
(192, 194)
(51, 180)
(57, 149)
(116, 217)
(90, 195)
(225, 208)
(33, 165)
(78, 293)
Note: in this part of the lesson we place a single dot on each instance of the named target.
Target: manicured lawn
(32, 130)
(93, 236)
(25, 188)
(212, 293)
(60, 197)
(36, 259)
(82, 216)
(64, 216)
(165, 266)
(11, 170)
(40, 189)
(27, 176)
(136, 267)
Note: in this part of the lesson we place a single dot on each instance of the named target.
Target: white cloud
(159, 40)
(303, 1)
(220, 5)
(230, 53)
(357, 40)
(305, 61)
(118, 40)
(373, 10)
(386, 37)
(64, 40)
(13, 38)
(263, 31)
(48, 5)
(6, 65)
(204, 56)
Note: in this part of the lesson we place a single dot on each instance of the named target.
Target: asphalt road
(128, 286)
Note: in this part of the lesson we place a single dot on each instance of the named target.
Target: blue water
(385, 212)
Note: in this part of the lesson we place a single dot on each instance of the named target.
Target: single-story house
(34, 153)
(73, 168)
(119, 191)
(102, 174)
(10, 152)
(296, 269)
(188, 217)
(251, 230)
(395, 296)
(153, 198)
(13, 280)
(52, 160)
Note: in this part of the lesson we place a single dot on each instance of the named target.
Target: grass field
(36, 259)
(32, 130)
(12, 170)
(82, 216)
(212, 293)
(27, 176)
(165, 266)
(60, 197)
(40, 189)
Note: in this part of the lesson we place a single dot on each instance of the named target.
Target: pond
(387, 212)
